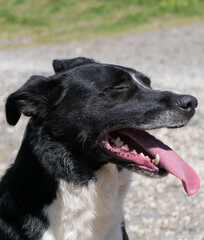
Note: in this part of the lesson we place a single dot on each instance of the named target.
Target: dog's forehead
(101, 74)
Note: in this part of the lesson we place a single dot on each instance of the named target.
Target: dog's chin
(125, 151)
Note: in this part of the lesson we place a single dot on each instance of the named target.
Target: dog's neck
(89, 212)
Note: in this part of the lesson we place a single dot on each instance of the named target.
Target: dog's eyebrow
(145, 79)
(140, 78)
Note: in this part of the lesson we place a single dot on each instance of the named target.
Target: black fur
(69, 113)
(125, 235)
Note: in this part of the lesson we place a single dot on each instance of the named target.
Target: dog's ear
(66, 64)
(34, 98)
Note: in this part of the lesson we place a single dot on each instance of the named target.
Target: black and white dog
(86, 132)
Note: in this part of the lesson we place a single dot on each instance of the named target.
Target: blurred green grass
(53, 21)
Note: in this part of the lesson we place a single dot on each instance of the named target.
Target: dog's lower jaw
(89, 212)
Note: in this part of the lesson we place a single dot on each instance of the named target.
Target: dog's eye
(118, 87)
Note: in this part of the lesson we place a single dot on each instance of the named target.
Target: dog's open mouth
(151, 155)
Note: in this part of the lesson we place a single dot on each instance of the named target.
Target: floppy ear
(66, 64)
(34, 98)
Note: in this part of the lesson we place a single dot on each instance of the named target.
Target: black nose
(187, 102)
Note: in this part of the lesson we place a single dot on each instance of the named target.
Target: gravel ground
(174, 59)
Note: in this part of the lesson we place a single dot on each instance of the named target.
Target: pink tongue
(169, 159)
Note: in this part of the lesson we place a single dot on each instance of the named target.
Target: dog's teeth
(156, 160)
(142, 154)
(125, 147)
(118, 142)
(134, 151)
(112, 140)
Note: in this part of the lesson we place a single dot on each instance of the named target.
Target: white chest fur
(93, 212)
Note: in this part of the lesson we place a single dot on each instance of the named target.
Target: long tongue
(169, 159)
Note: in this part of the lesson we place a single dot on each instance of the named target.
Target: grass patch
(53, 21)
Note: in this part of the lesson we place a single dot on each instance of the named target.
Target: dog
(85, 136)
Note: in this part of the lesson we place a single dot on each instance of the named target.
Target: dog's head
(101, 111)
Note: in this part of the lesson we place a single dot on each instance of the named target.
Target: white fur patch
(137, 81)
(89, 213)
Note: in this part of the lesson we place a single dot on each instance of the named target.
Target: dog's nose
(187, 102)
